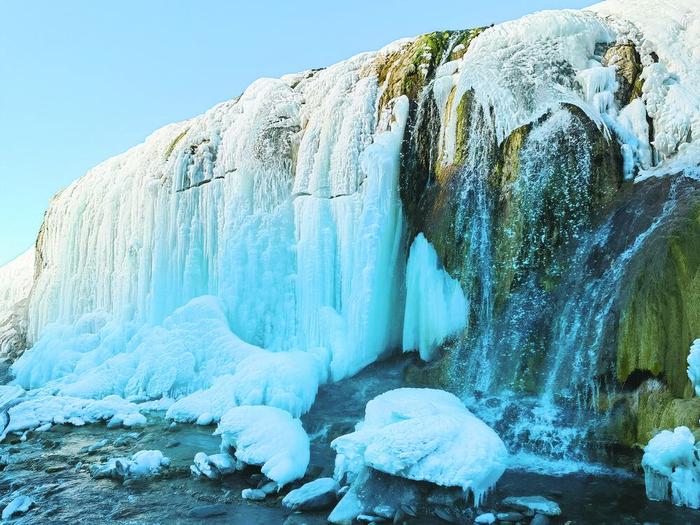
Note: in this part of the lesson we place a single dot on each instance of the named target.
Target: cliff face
(550, 164)
(16, 279)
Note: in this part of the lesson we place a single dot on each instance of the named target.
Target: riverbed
(53, 468)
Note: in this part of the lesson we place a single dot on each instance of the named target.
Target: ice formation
(671, 465)
(435, 304)
(143, 464)
(694, 366)
(424, 435)
(248, 255)
(316, 494)
(268, 437)
(16, 279)
(40, 410)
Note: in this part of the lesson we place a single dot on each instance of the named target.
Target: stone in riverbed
(533, 503)
(319, 494)
(253, 494)
(540, 519)
(488, 518)
(510, 517)
(209, 511)
(17, 506)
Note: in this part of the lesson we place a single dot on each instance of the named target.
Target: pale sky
(81, 81)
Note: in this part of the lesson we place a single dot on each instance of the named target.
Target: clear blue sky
(81, 81)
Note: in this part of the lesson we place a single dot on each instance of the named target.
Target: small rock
(17, 506)
(409, 510)
(540, 519)
(96, 446)
(368, 518)
(126, 439)
(269, 487)
(253, 494)
(511, 517)
(445, 514)
(534, 503)
(385, 511)
(209, 511)
(487, 517)
(255, 479)
(319, 494)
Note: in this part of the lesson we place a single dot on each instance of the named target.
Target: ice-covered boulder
(143, 464)
(671, 465)
(424, 435)
(538, 504)
(317, 494)
(268, 437)
(214, 466)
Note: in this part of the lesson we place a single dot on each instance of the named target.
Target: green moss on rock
(660, 313)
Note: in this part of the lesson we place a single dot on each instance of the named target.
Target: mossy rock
(660, 312)
(638, 416)
(628, 66)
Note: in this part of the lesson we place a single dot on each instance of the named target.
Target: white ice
(694, 366)
(268, 437)
(42, 409)
(671, 465)
(143, 464)
(424, 435)
(435, 304)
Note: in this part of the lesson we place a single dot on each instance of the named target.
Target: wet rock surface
(53, 470)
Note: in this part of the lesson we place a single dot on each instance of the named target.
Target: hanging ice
(435, 304)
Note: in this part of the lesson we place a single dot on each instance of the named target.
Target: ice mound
(424, 435)
(286, 380)
(694, 366)
(435, 304)
(269, 437)
(42, 410)
(193, 353)
(143, 464)
(671, 465)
